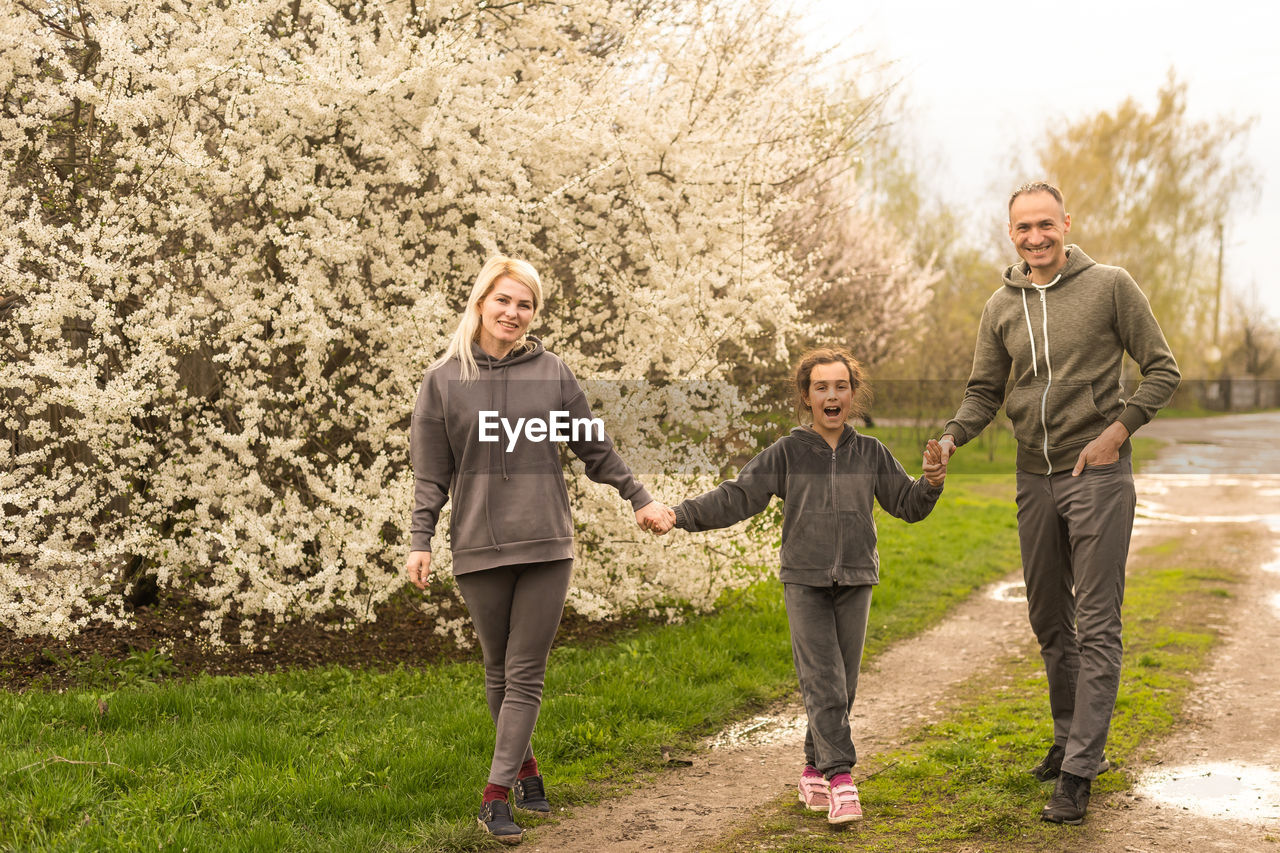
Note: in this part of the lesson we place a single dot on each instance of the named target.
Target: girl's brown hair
(831, 355)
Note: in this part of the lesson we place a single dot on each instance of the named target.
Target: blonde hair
(498, 266)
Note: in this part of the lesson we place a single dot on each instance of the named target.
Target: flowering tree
(232, 236)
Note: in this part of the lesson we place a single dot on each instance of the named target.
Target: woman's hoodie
(1064, 343)
(828, 533)
(510, 503)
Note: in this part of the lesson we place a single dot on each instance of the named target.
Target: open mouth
(832, 411)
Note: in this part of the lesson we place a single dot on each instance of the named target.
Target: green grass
(962, 783)
(334, 759)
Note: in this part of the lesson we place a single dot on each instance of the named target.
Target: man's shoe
(1069, 801)
(531, 795)
(495, 819)
(815, 793)
(1051, 765)
(845, 806)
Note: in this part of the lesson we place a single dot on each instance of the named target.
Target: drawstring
(1044, 319)
(1026, 313)
(488, 519)
(506, 376)
(1044, 315)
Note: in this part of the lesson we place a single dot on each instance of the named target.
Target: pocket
(1023, 408)
(1071, 413)
(530, 505)
(807, 541)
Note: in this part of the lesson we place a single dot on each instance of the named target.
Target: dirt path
(685, 808)
(1217, 783)
(1211, 477)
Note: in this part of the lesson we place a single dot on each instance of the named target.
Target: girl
(511, 533)
(826, 474)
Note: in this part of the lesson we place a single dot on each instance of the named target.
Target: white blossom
(232, 236)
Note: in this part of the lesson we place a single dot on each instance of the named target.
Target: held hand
(934, 463)
(668, 522)
(655, 517)
(418, 568)
(1103, 450)
(948, 445)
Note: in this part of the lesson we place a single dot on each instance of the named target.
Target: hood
(810, 436)
(487, 362)
(1077, 262)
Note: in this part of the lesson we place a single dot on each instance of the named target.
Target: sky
(980, 79)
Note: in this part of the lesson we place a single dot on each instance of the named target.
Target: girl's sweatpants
(516, 610)
(828, 631)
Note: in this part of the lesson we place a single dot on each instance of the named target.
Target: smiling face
(505, 313)
(1038, 227)
(830, 398)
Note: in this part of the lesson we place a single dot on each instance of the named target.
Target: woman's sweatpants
(828, 630)
(515, 610)
(1075, 535)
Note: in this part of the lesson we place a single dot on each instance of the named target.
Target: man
(1061, 323)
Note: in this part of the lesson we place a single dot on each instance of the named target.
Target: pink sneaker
(845, 806)
(814, 793)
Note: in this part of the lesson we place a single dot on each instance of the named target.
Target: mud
(1208, 476)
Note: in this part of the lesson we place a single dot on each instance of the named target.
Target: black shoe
(531, 795)
(495, 819)
(1069, 801)
(1051, 765)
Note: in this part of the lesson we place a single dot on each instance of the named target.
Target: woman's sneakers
(495, 811)
(495, 819)
(814, 791)
(531, 795)
(845, 806)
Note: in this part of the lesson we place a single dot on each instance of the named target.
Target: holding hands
(936, 457)
(656, 517)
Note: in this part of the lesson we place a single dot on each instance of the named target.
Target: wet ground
(1215, 786)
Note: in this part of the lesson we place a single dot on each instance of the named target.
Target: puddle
(760, 730)
(1009, 591)
(1235, 791)
(1153, 512)
(1159, 484)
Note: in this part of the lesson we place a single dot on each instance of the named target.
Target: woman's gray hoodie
(510, 503)
(828, 533)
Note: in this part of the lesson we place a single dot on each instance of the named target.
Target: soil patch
(402, 635)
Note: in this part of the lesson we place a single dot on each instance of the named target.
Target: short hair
(831, 355)
(1038, 187)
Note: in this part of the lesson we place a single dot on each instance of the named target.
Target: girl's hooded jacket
(509, 505)
(1064, 344)
(828, 533)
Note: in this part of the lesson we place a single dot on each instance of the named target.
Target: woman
(475, 439)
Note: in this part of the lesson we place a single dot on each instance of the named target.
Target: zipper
(835, 517)
(1044, 399)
